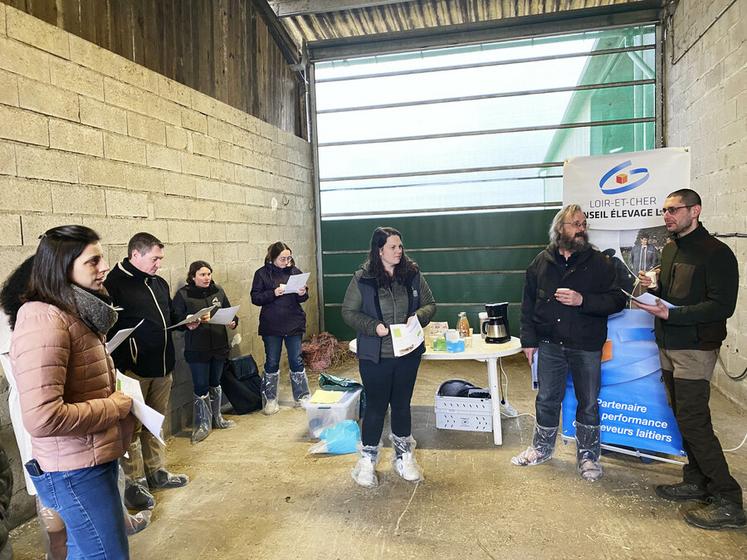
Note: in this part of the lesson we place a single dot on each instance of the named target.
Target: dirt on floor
(255, 493)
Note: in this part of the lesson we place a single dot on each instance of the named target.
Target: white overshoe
(271, 407)
(364, 473)
(407, 467)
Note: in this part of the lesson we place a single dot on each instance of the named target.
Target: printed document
(406, 337)
(120, 337)
(296, 282)
(648, 298)
(151, 419)
(191, 318)
(224, 316)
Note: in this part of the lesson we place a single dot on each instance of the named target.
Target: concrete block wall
(706, 109)
(89, 137)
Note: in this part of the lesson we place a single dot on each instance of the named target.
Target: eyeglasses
(671, 210)
(285, 259)
(577, 225)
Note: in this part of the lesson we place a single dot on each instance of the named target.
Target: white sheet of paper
(150, 418)
(648, 298)
(120, 337)
(190, 318)
(296, 282)
(406, 337)
(224, 316)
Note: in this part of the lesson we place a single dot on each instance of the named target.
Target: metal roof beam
(290, 8)
(641, 12)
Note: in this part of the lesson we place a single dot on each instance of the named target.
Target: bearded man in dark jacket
(568, 294)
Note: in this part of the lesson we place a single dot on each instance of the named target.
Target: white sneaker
(271, 407)
(407, 467)
(364, 473)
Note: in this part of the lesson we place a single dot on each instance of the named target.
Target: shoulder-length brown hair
(50, 280)
(404, 268)
(194, 267)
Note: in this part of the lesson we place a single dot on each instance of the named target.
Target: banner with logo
(622, 196)
(625, 191)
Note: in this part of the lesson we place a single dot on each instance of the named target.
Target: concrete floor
(255, 493)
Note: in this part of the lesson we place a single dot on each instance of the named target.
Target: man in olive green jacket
(699, 275)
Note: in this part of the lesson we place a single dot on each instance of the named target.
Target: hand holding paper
(224, 316)
(150, 418)
(647, 298)
(406, 337)
(296, 282)
(194, 317)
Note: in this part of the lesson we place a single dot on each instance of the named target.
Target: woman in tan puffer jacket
(79, 424)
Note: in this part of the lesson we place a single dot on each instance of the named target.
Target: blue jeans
(553, 363)
(88, 501)
(206, 375)
(273, 347)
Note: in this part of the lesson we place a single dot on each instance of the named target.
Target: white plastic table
(481, 351)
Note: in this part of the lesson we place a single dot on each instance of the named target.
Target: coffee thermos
(495, 326)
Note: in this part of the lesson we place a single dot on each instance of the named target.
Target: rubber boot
(133, 523)
(270, 393)
(404, 461)
(216, 398)
(162, 478)
(541, 450)
(201, 418)
(364, 472)
(137, 495)
(300, 386)
(588, 452)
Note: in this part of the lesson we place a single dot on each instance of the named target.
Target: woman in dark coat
(205, 348)
(281, 320)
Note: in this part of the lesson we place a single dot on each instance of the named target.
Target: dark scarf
(196, 292)
(95, 309)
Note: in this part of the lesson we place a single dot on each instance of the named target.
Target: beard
(576, 242)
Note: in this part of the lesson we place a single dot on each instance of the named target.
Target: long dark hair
(53, 263)
(274, 250)
(404, 268)
(13, 289)
(194, 267)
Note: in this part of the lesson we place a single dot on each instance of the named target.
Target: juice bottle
(463, 325)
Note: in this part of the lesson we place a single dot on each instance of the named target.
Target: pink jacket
(64, 378)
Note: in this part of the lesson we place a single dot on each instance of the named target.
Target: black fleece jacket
(149, 351)
(206, 341)
(700, 275)
(589, 273)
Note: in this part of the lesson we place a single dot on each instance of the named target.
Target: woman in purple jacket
(281, 319)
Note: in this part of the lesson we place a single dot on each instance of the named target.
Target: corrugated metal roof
(309, 21)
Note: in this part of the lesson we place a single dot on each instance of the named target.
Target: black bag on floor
(242, 384)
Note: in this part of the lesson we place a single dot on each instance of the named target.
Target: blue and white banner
(627, 190)
(632, 402)
(622, 196)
